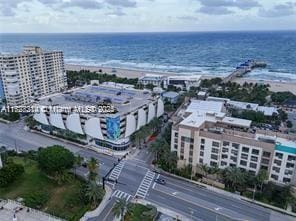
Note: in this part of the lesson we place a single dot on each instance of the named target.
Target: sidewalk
(100, 208)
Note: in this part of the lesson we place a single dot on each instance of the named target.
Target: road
(136, 180)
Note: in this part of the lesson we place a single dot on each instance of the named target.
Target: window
(235, 145)
(276, 169)
(255, 152)
(212, 164)
(286, 180)
(278, 162)
(233, 159)
(182, 144)
(215, 144)
(225, 143)
(214, 150)
(224, 156)
(253, 165)
(176, 140)
(290, 165)
(214, 156)
(225, 150)
(291, 158)
(191, 146)
(244, 156)
(275, 177)
(279, 155)
(201, 153)
(176, 134)
(181, 157)
(253, 158)
(176, 146)
(234, 152)
(246, 149)
(202, 141)
(202, 147)
(265, 161)
(201, 160)
(243, 163)
(190, 159)
(190, 153)
(264, 168)
(223, 163)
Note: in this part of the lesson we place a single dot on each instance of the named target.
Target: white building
(153, 79)
(267, 111)
(183, 81)
(32, 73)
(133, 109)
(203, 134)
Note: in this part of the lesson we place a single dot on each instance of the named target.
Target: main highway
(135, 180)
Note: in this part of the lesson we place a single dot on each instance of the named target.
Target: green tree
(92, 166)
(94, 193)
(9, 173)
(289, 124)
(55, 160)
(120, 208)
(234, 177)
(261, 177)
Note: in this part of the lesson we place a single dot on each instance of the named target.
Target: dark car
(160, 181)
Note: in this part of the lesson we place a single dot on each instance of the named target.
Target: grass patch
(141, 213)
(61, 200)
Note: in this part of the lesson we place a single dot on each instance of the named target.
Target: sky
(55, 16)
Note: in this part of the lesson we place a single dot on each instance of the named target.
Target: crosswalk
(122, 195)
(116, 171)
(145, 184)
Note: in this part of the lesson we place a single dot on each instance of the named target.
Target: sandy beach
(275, 86)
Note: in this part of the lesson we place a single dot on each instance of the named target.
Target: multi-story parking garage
(132, 110)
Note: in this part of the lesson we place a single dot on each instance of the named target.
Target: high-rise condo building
(31, 74)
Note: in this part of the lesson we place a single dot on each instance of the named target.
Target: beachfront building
(203, 134)
(133, 109)
(156, 80)
(31, 74)
(239, 105)
(185, 82)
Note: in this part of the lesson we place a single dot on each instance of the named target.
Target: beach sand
(275, 86)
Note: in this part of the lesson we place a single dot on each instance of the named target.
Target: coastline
(276, 86)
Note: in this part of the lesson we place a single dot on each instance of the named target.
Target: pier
(244, 68)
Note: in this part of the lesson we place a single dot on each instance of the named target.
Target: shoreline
(276, 86)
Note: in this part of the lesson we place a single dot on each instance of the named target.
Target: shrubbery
(36, 199)
(9, 173)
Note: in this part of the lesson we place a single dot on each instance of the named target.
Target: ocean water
(210, 53)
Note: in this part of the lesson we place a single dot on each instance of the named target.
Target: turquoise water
(211, 53)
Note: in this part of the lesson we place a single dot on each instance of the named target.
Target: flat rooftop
(124, 100)
(185, 77)
(204, 106)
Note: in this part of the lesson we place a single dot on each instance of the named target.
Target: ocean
(209, 53)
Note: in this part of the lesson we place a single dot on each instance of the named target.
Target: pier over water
(244, 68)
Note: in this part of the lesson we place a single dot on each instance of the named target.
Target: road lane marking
(204, 207)
(145, 184)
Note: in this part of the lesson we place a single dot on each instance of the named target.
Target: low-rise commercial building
(156, 80)
(183, 81)
(132, 110)
(202, 133)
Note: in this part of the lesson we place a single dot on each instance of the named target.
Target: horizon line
(140, 32)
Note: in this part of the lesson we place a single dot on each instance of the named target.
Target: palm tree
(78, 162)
(94, 193)
(92, 168)
(120, 208)
(261, 177)
(234, 177)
